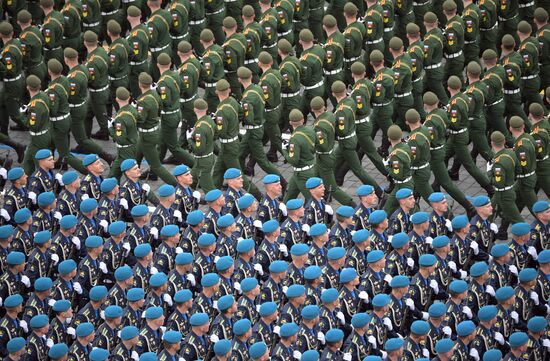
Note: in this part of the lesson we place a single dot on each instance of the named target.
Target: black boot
(249, 168)
(149, 175)
(454, 175)
(107, 157)
(19, 149)
(19, 128)
(390, 186)
(170, 160)
(61, 164)
(101, 134)
(272, 154)
(490, 190)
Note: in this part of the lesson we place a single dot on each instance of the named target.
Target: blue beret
(267, 308)
(270, 226)
(360, 320)
(224, 263)
(172, 337)
(312, 272)
(393, 344)
(527, 274)
(67, 222)
(360, 236)
(42, 237)
(399, 240)
(365, 190)
(158, 279)
(334, 335)
(224, 302)
(329, 295)
(504, 293)
(481, 201)
(58, 350)
(16, 344)
(69, 177)
(245, 201)
(97, 293)
(299, 249)
(380, 300)
(242, 326)
(289, 329)
(427, 260)
(170, 230)
(420, 327)
(257, 350)
(15, 173)
(313, 182)
(295, 291)
(318, 230)
(478, 269)
(465, 328)
(153, 313)
(520, 229)
(180, 169)
(184, 258)
(544, 256)
(375, 256)
(127, 164)
(129, 332)
(348, 275)
(43, 284)
(436, 197)
(113, 311)
(142, 250)
(499, 250)
(539, 206)
(403, 193)
(43, 154)
(232, 173)
(66, 267)
(195, 217)
(117, 228)
(492, 355)
(139, 210)
(437, 309)
(206, 239)
(458, 286)
(15, 258)
(345, 211)
(459, 222)
(245, 245)
(94, 241)
(376, 358)
(213, 195)
(39, 321)
(108, 185)
(537, 324)
(400, 281)
(183, 296)
(45, 199)
(278, 266)
(293, 204)
(271, 178)
(222, 347)
(88, 205)
(444, 345)
(310, 312)
(61, 305)
(336, 253)
(22, 215)
(310, 355)
(135, 294)
(6, 231)
(518, 339)
(89, 159)
(248, 284)
(487, 313)
(210, 279)
(419, 217)
(377, 217)
(13, 301)
(166, 190)
(148, 356)
(225, 220)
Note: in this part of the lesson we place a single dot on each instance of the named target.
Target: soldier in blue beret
(506, 315)
(482, 230)
(335, 261)
(42, 178)
(172, 343)
(399, 260)
(187, 199)
(299, 255)
(149, 356)
(91, 183)
(16, 197)
(335, 339)
(368, 204)
(246, 225)
(242, 330)
(357, 343)
(313, 283)
(36, 347)
(196, 343)
(270, 205)
(216, 202)
(269, 249)
(227, 239)
(413, 350)
(444, 348)
(272, 290)
(518, 345)
(293, 230)
(179, 319)
(375, 280)
(10, 326)
(225, 268)
(527, 302)
(340, 233)
(244, 268)
(235, 182)
(190, 236)
(259, 351)
(290, 312)
(329, 312)
(486, 338)
(43, 218)
(132, 192)
(400, 220)
(522, 254)
(349, 293)
(394, 347)
(98, 354)
(424, 286)
(479, 291)
(246, 304)
(455, 308)
(283, 349)
(58, 351)
(492, 355)
(115, 251)
(222, 349)
(440, 224)
(380, 326)
(316, 209)
(150, 337)
(69, 198)
(165, 213)
(204, 303)
(108, 208)
(318, 251)
(378, 232)
(537, 329)
(308, 337)
(500, 270)
(540, 232)
(204, 259)
(262, 330)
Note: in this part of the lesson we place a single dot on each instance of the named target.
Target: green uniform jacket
(354, 35)
(285, 13)
(11, 61)
(476, 92)
(179, 13)
(487, 14)
(91, 11)
(211, 6)
(312, 61)
(189, 73)
(508, 9)
(433, 47)
(234, 50)
(345, 121)
(148, 106)
(38, 113)
(458, 112)
(71, 13)
(416, 54)
(202, 140)
(399, 166)
(470, 18)
(541, 135)
(503, 173)
(290, 71)
(524, 147)
(419, 143)
(58, 92)
(324, 127)
(197, 12)
(97, 65)
(269, 23)
(383, 86)
(78, 84)
(32, 42)
(374, 23)
(301, 147)
(436, 123)
(301, 10)
(212, 64)
(529, 51)
(118, 58)
(494, 78)
(169, 88)
(255, 38)
(514, 66)
(253, 106)
(52, 29)
(124, 129)
(138, 39)
(334, 49)
(270, 82)
(543, 36)
(454, 35)
(227, 118)
(361, 95)
(159, 30)
(402, 74)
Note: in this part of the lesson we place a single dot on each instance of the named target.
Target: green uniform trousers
(454, 66)
(78, 117)
(433, 81)
(195, 34)
(505, 203)
(97, 108)
(530, 92)
(40, 70)
(54, 54)
(189, 118)
(287, 104)
(147, 147)
(10, 98)
(417, 89)
(271, 127)
(400, 108)
(202, 173)
(297, 184)
(228, 157)
(211, 98)
(471, 52)
(135, 70)
(346, 154)
(457, 146)
(439, 170)
(169, 139)
(382, 120)
(37, 142)
(114, 84)
(128, 152)
(310, 94)
(478, 136)
(543, 176)
(236, 88)
(495, 120)
(329, 79)
(419, 10)
(421, 180)
(214, 23)
(525, 192)
(316, 24)
(488, 40)
(61, 139)
(514, 106)
(251, 144)
(154, 70)
(324, 167)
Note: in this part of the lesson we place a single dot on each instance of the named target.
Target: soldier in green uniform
(312, 59)
(37, 119)
(354, 33)
(300, 154)
(398, 165)
(421, 8)
(123, 130)
(148, 109)
(530, 79)
(543, 36)
(336, 9)
(416, 53)
(508, 18)
(334, 49)
(91, 16)
(285, 13)
(159, 33)
(202, 145)
(72, 35)
(488, 25)
(271, 83)
(110, 10)
(382, 99)
(179, 26)
(290, 68)
(300, 20)
(98, 81)
(189, 73)
(454, 41)
(11, 69)
(118, 62)
(60, 116)
(212, 68)
(197, 23)
(268, 21)
(433, 55)
(32, 42)
(374, 25)
(419, 143)
(470, 18)
(514, 67)
(234, 50)
(388, 18)
(404, 16)
(316, 16)
(256, 38)
(138, 39)
(402, 81)
(52, 29)
(541, 134)
(215, 13)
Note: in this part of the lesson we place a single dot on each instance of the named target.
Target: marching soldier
(271, 83)
(419, 142)
(189, 72)
(398, 166)
(433, 55)
(138, 39)
(353, 34)
(234, 50)
(52, 29)
(454, 40)
(291, 72)
(32, 42)
(312, 62)
(212, 69)
(334, 49)
(119, 52)
(514, 67)
(541, 135)
(159, 33)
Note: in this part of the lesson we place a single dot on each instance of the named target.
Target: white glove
(434, 286)
(179, 250)
(178, 215)
(57, 215)
(189, 133)
(425, 315)
(388, 278)
(32, 197)
(5, 214)
(146, 187)
(282, 208)
(154, 232)
(514, 316)
(258, 308)
(76, 241)
(126, 246)
(77, 287)
(474, 354)
(533, 252)
(452, 265)
(51, 302)
(191, 278)
(259, 269)
(283, 249)
(489, 167)
(364, 295)
(546, 343)
(425, 353)
(276, 330)
(216, 259)
(242, 131)
(513, 269)
(321, 337)
(467, 311)
(347, 357)
(24, 326)
(463, 274)
(386, 161)
(214, 338)
(102, 314)
(353, 232)
(410, 262)
(49, 343)
(329, 209)
(388, 323)
(305, 228)
(384, 354)
(372, 341)
(123, 203)
(197, 195)
(59, 179)
(237, 286)
(162, 329)
(103, 267)
(410, 304)
(135, 356)
(297, 355)
(494, 227)
(55, 258)
(103, 223)
(257, 223)
(498, 336)
(449, 224)
(447, 330)
(340, 316)
(475, 247)
(154, 270)
(168, 299)
(535, 297)
(23, 108)
(285, 288)
(151, 209)
(284, 144)
(84, 197)
(429, 240)
(110, 122)
(71, 331)
(490, 290)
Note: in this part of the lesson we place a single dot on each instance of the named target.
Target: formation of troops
(216, 264)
